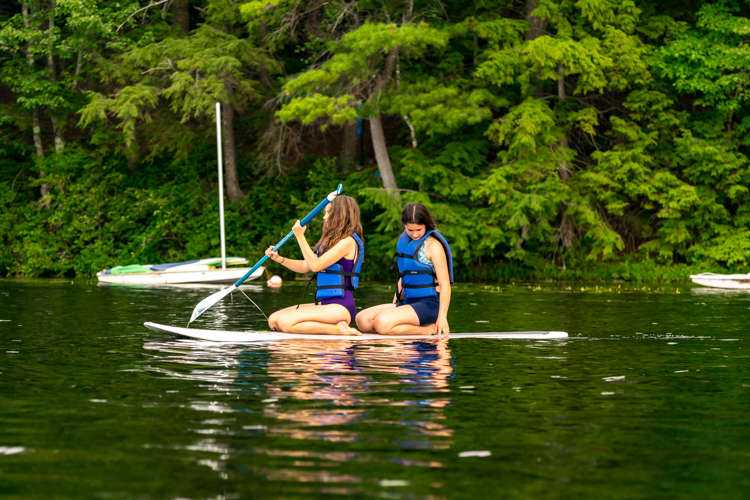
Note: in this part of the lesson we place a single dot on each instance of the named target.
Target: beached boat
(196, 271)
(210, 271)
(736, 281)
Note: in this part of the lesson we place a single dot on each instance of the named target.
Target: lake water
(648, 398)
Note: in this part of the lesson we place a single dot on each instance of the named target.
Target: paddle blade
(208, 302)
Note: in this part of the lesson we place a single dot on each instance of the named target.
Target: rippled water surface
(648, 398)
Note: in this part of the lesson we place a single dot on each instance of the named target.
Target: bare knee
(273, 319)
(284, 324)
(382, 324)
(364, 322)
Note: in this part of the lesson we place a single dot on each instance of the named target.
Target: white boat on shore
(207, 271)
(733, 281)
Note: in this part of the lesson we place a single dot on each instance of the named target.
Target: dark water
(649, 398)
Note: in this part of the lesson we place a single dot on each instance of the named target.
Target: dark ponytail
(416, 213)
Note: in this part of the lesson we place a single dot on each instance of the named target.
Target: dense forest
(559, 139)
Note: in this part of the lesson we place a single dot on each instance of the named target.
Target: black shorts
(427, 308)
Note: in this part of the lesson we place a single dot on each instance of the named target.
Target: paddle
(204, 304)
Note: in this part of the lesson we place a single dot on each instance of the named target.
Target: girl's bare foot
(345, 329)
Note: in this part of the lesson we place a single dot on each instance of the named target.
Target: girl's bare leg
(401, 321)
(325, 320)
(366, 318)
(345, 329)
(273, 319)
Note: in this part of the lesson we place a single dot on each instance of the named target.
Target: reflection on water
(313, 391)
(346, 375)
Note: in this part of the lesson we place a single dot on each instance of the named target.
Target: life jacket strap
(400, 254)
(404, 273)
(337, 287)
(306, 288)
(330, 287)
(428, 285)
(340, 273)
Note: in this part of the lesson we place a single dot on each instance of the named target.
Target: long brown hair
(416, 213)
(343, 221)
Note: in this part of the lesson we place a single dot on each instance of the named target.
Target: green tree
(47, 48)
(370, 48)
(706, 64)
(216, 62)
(558, 60)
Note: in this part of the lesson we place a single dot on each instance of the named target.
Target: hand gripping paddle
(204, 304)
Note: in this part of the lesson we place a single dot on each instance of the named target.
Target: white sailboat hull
(217, 276)
(734, 281)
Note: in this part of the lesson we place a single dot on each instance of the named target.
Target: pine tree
(216, 62)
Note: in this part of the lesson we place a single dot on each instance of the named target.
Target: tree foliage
(551, 138)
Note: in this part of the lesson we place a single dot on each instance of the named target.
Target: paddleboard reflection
(308, 390)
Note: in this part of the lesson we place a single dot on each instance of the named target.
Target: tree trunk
(381, 156)
(567, 227)
(408, 10)
(37, 131)
(79, 66)
(132, 152)
(561, 82)
(563, 169)
(376, 128)
(231, 178)
(36, 128)
(537, 25)
(181, 16)
(475, 49)
(349, 148)
(56, 127)
(406, 117)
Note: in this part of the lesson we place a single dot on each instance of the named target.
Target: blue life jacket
(418, 280)
(331, 280)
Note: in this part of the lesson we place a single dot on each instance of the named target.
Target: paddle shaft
(315, 211)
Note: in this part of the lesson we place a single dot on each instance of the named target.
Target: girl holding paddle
(425, 263)
(336, 260)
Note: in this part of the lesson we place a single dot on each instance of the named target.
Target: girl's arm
(298, 266)
(339, 250)
(436, 253)
(395, 295)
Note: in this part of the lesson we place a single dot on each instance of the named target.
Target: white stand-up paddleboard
(250, 336)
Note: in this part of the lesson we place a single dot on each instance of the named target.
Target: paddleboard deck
(251, 336)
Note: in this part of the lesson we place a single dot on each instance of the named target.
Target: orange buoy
(275, 281)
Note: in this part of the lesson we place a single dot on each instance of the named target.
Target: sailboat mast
(221, 187)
